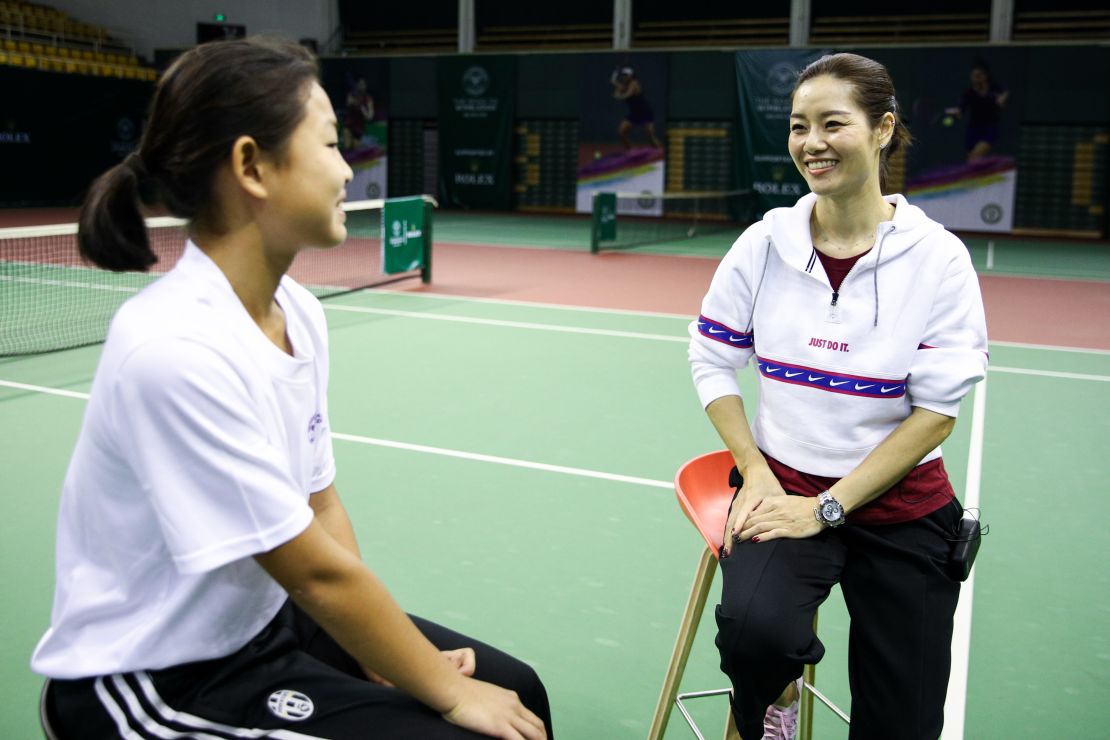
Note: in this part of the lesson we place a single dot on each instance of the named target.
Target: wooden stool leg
(805, 706)
(805, 701)
(699, 592)
(731, 733)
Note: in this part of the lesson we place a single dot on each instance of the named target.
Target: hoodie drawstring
(755, 296)
(878, 258)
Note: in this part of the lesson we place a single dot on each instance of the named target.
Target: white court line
(630, 334)
(43, 389)
(955, 704)
(475, 456)
(1052, 347)
(582, 472)
(500, 322)
(990, 254)
(1050, 373)
(70, 284)
(538, 304)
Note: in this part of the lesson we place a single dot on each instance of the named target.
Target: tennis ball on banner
(947, 121)
(597, 154)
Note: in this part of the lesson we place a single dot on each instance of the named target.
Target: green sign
(476, 108)
(604, 219)
(404, 236)
(765, 80)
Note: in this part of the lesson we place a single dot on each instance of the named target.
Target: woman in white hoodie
(865, 323)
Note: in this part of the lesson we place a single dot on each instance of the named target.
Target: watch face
(831, 511)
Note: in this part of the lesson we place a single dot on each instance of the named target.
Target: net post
(426, 268)
(595, 224)
(603, 222)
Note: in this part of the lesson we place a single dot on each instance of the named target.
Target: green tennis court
(508, 469)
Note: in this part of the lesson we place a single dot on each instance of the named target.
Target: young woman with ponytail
(208, 581)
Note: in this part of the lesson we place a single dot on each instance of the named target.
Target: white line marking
(504, 461)
(990, 254)
(70, 284)
(1051, 347)
(511, 324)
(604, 332)
(956, 703)
(43, 389)
(1050, 374)
(582, 472)
(508, 302)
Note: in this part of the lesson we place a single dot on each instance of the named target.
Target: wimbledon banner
(476, 109)
(765, 80)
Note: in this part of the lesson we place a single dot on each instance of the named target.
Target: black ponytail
(111, 232)
(209, 97)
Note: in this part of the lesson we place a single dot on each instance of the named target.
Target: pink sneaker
(781, 723)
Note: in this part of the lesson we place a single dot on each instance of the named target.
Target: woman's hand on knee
(497, 712)
(758, 488)
(782, 517)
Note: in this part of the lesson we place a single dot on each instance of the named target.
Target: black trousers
(292, 681)
(901, 603)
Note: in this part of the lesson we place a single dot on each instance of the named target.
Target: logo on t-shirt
(315, 427)
(290, 705)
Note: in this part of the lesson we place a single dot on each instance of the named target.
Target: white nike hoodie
(839, 371)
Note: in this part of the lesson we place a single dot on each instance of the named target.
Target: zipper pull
(833, 316)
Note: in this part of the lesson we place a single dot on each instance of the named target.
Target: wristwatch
(829, 511)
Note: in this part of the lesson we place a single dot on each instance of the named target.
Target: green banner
(765, 80)
(404, 235)
(477, 103)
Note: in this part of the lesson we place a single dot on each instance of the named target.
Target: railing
(718, 32)
(1061, 25)
(897, 29)
(569, 36)
(416, 40)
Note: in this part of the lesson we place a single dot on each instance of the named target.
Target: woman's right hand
(759, 483)
(494, 711)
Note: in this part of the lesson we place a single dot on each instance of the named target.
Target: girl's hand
(463, 659)
(494, 711)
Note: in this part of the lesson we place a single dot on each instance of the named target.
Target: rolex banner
(476, 110)
(765, 80)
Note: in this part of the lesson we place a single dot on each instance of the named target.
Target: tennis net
(625, 220)
(51, 300)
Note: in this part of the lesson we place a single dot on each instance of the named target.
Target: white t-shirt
(201, 444)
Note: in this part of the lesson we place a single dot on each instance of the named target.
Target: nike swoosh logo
(884, 389)
(791, 375)
(735, 339)
(716, 331)
(862, 387)
(835, 383)
(773, 369)
(812, 378)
